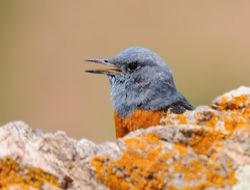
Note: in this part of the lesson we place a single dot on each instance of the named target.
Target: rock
(208, 148)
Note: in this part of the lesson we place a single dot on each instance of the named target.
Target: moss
(12, 173)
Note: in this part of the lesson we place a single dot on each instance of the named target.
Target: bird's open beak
(110, 70)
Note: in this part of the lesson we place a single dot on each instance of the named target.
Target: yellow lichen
(12, 173)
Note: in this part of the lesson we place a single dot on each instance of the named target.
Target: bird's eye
(132, 66)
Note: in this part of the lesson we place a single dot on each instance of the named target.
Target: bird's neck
(128, 95)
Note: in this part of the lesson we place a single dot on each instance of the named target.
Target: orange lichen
(235, 103)
(181, 118)
(232, 123)
(145, 169)
(207, 173)
(202, 141)
(13, 173)
(138, 119)
(190, 171)
(144, 165)
(213, 121)
(183, 150)
(208, 119)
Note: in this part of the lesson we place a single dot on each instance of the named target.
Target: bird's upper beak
(110, 70)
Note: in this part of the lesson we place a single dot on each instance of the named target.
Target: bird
(142, 89)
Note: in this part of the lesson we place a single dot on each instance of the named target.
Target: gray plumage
(141, 79)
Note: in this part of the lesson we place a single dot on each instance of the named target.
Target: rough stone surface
(208, 148)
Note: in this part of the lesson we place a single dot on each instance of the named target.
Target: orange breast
(138, 119)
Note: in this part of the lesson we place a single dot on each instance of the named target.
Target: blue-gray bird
(142, 89)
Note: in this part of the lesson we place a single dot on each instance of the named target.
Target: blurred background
(43, 45)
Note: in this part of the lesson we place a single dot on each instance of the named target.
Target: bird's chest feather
(138, 119)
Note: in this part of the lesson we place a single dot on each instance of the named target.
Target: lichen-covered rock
(208, 148)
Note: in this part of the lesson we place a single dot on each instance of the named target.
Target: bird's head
(139, 78)
(133, 64)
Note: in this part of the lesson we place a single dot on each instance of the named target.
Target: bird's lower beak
(110, 70)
